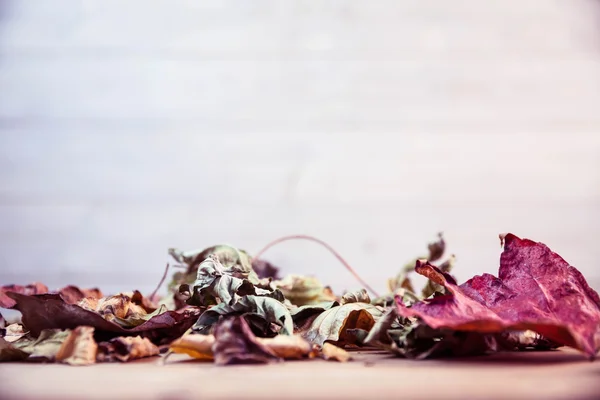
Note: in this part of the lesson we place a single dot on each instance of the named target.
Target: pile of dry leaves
(227, 307)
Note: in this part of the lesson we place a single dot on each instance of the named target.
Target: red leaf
(536, 290)
(33, 288)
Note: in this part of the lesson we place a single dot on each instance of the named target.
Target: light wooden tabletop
(544, 375)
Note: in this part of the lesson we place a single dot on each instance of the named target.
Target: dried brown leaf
(50, 311)
(286, 346)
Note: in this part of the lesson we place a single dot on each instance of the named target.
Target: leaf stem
(162, 280)
(327, 246)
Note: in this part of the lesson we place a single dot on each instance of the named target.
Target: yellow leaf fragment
(288, 347)
(331, 352)
(197, 346)
(79, 348)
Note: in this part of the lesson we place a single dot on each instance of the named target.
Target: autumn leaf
(124, 349)
(536, 290)
(125, 309)
(236, 344)
(198, 346)
(71, 294)
(331, 325)
(265, 269)
(359, 296)
(79, 347)
(34, 288)
(8, 352)
(302, 290)
(287, 347)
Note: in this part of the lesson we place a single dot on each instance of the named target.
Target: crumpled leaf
(331, 325)
(125, 349)
(217, 284)
(125, 309)
(303, 290)
(331, 352)
(236, 344)
(358, 296)
(79, 347)
(536, 290)
(236, 263)
(50, 311)
(261, 308)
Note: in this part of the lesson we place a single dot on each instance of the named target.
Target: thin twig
(328, 247)
(162, 280)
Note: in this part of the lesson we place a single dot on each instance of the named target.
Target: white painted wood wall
(127, 127)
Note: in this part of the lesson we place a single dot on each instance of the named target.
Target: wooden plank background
(127, 127)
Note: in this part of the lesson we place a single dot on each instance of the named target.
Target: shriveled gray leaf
(412, 339)
(264, 308)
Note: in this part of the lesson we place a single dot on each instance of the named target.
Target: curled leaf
(125, 349)
(79, 347)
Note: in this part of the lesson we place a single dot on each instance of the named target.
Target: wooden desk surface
(547, 375)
